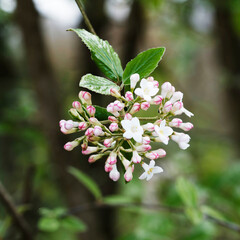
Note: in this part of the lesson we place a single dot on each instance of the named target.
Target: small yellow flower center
(134, 129)
(146, 91)
(150, 170)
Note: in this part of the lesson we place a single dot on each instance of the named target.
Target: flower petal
(157, 169)
(149, 176)
(143, 176)
(137, 137)
(167, 131)
(128, 134)
(152, 164)
(126, 124)
(139, 92)
(145, 166)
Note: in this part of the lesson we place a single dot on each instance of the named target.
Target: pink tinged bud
(112, 119)
(82, 125)
(89, 132)
(108, 167)
(114, 173)
(85, 97)
(90, 150)
(118, 106)
(148, 127)
(128, 174)
(134, 78)
(113, 127)
(146, 140)
(167, 107)
(166, 87)
(108, 142)
(77, 105)
(143, 148)
(176, 122)
(84, 146)
(94, 158)
(145, 106)
(177, 106)
(115, 93)
(160, 153)
(135, 108)
(69, 125)
(61, 123)
(151, 79)
(157, 100)
(65, 131)
(186, 126)
(156, 84)
(177, 96)
(136, 158)
(94, 121)
(112, 159)
(97, 131)
(71, 145)
(129, 96)
(127, 116)
(91, 110)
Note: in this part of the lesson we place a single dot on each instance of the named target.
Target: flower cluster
(124, 138)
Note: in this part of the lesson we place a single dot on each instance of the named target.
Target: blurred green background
(40, 68)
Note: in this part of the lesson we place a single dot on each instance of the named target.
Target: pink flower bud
(136, 158)
(112, 159)
(167, 107)
(113, 127)
(85, 97)
(68, 125)
(156, 84)
(114, 173)
(112, 119)
(77, 105)
(71, 145)
(127, 116)
(115, 93)
(90, 150)
(156, 154)
(82, 125)
(84, 146)
(91, 110)
(128, 174)
(186, 126)
(94, 121)
(108, 142)
(134, 78)
(148, 127)
(118, 106)
(94, 158)
(166, 87)
(177, 106)
(89, 132)
(145, 106)
(97, 131)
(146, 140)
(125, 163)
(135, 108)
(129, 96)
(150, 79)
(65, 131)
(176, 122)
(62, 122)
(143, 148)
(157, 100)
(108, 167)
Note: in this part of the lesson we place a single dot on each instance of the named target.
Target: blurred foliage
(209, 171)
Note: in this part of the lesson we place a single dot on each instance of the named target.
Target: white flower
(133, 129)
(163, 132)
(147, 90)
(150, 170)
(181, 139)
(185, 111)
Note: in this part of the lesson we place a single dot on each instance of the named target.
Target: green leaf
(194, 215)
(102, 54)
(101, 113)
(211, 212)
(187, 192)
(87, 182)
(48, 224)
(73, 224)
(97, 84)
(143, 64)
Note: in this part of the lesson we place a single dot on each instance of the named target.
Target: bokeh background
(40, 68)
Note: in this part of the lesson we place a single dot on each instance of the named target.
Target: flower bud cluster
(124, 138)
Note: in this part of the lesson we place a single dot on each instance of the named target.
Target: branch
(85, 17)
(157, 207)
(18, 219)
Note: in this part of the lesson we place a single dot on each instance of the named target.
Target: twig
(157, 207)
(85, 17)
(18, 219)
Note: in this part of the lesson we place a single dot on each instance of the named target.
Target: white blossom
(181, 139)
(163, 132)
(150, 170)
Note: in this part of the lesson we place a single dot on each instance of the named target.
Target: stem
(85, 17)
(148, 118)
(12, 209)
